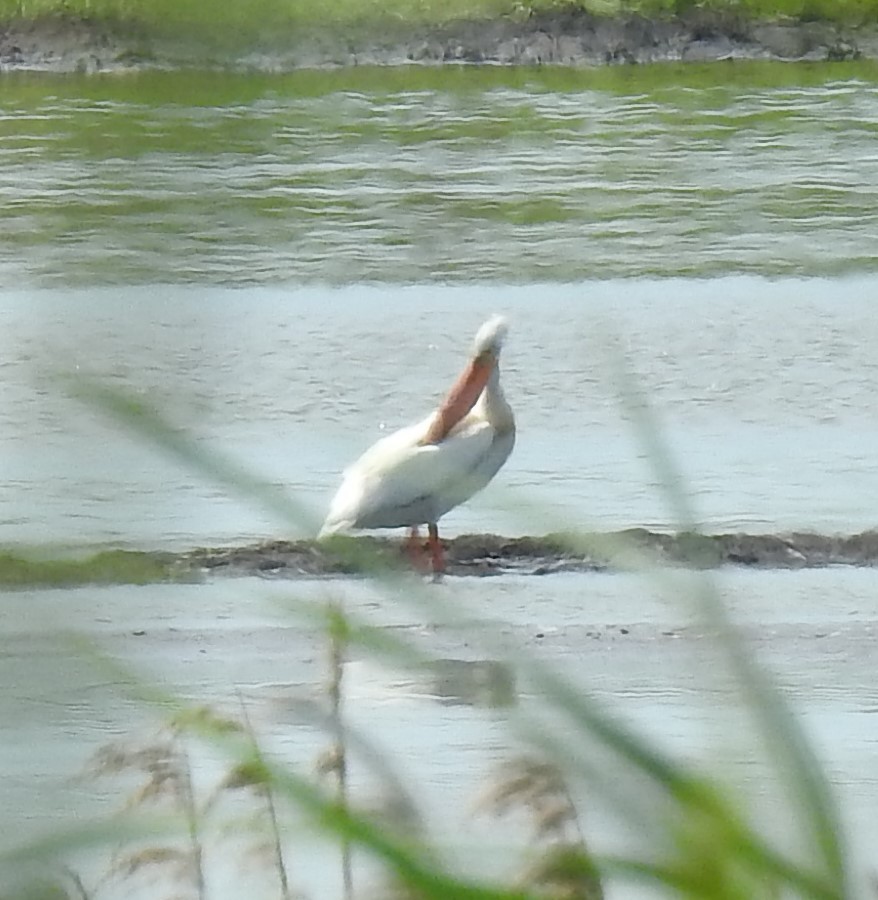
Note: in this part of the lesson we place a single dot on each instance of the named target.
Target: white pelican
(417, 474)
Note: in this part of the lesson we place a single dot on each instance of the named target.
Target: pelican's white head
(490, 337)
(479, 379)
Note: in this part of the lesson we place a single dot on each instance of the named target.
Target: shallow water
(461, 175)
(288, 266)
(636, 648)
(765, 389)
(204, 241)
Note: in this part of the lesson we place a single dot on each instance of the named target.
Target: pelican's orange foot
(416, 552)
(437, 552)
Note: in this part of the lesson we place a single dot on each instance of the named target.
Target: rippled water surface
(289, 266)
(444, 727)
(216, 242)
(765, 388)
(456, 175)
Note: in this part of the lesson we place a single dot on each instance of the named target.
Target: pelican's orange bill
(462, 397)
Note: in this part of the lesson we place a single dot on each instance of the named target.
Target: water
(455, 176)
(289, 266)
(208, 241)
(765, 389)
(632, 646)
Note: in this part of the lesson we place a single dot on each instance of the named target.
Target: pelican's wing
(399, 481)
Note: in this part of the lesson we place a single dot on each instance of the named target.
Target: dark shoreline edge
(490, 554)
(633, 549)
(563, 37)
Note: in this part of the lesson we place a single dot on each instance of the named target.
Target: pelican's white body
(402, 482)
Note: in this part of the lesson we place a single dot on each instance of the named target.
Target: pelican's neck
(494, 406)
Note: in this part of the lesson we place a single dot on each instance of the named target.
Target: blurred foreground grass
(700, 840)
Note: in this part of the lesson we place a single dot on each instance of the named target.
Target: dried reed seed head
(568, 871)
(252, 773)
(120, 757)
(546, 775)
(148, 857)
(552, 820)
(501, 794)
(330, 761)
(203, 718)
(525, 782)
(109, 759)
(161, 785)
(533, 768)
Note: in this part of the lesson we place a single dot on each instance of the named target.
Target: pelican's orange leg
(415, 549)
(437, 554)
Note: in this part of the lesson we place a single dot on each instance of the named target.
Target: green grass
(279, 20)
(106, 567)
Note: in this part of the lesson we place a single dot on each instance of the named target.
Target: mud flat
(488, 554)
(466, 555)
(567, 37)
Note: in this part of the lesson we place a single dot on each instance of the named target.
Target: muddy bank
(488, 554)
(568, 37)
(466, 555)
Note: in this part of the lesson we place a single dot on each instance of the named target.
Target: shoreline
(473, 555)
(491, 554)
(565, 37)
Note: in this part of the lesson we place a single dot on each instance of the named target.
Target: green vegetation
(106, 567)
(272, 20)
